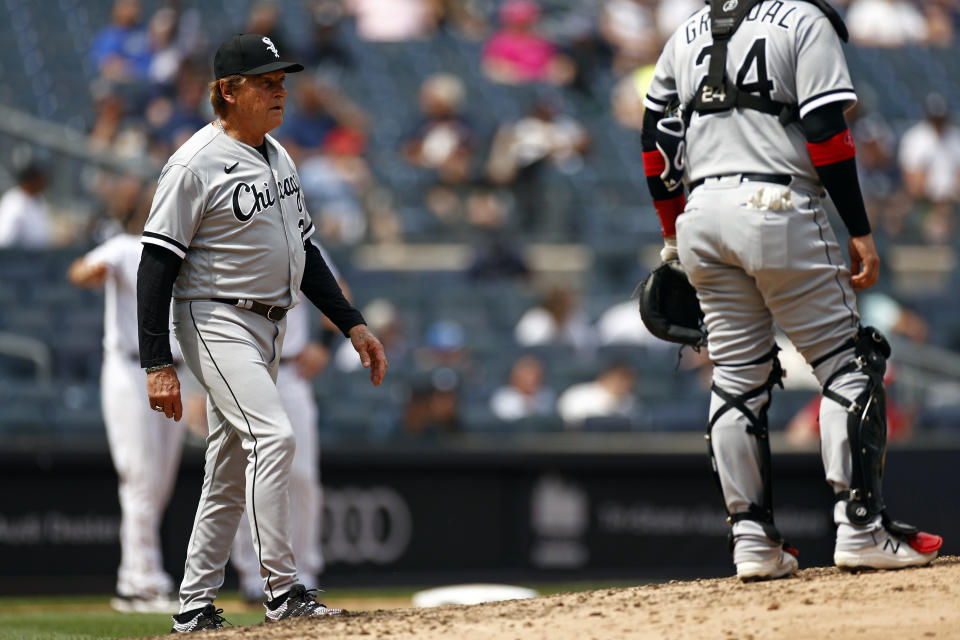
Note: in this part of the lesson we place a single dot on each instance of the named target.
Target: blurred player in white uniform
(762, 87)
(144, 445)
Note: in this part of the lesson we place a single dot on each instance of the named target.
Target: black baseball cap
(250, 54)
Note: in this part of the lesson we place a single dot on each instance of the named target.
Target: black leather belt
(776, 178)
(270, 312)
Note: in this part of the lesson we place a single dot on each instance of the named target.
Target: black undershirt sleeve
(155, 277)
(322, 290)
(648, 142)
(839, 178)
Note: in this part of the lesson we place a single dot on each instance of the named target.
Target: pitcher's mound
(817, 603)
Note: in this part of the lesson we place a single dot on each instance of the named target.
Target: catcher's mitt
(669, 306)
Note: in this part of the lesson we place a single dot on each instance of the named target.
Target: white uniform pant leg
(306, 493)
(146, 451)
(233, 354)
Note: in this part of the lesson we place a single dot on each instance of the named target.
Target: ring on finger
(157, 407)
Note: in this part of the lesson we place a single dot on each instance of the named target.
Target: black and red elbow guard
(833, 153)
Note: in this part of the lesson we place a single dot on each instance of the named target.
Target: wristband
(157, 367)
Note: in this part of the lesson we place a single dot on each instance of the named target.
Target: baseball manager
(228, 237)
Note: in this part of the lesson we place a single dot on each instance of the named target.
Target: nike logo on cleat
(227, 169)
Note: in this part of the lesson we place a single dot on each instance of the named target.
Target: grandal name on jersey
(771, 13)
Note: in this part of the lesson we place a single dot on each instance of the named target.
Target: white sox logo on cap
(271, 47)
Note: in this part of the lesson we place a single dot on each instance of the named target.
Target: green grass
(84, 618)
(89, 617)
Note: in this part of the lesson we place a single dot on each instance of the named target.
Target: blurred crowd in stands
(493, 182)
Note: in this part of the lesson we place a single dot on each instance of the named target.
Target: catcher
(762, 87)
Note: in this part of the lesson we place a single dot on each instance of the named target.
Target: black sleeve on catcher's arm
(155, 277)
(833, 152)
(668, 204)
(322, 290)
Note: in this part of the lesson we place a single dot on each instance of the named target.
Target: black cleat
(298, 602)
(198, 620)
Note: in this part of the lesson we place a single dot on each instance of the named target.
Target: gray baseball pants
(234, 354)
(752, 268)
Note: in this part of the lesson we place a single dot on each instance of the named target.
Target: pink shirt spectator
(522, 54)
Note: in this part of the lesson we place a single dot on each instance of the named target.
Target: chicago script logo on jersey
(248, 200)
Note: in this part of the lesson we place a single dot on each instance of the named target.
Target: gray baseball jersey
(252, 211)
(786, 50)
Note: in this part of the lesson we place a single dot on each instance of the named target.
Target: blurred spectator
(885, 23)
(630, 28)
(611, 394)
(516, 54)
(120, 51)
(264, 18)
(621, 324)
(432, 411)
(443, 363)
(888, 204)
(325, 134)
(174, 121)
(626, 99)
(116, 128)
(930, 161)
(520, 153)
(496, 254)
(442, 144)
(524, 395)
(122, 197)
(941, 16)
(325, 50)
(166, 52)
(445, 346)
(320, 111)
(589, 54)
(892, 318)
(332, 201)
(557, 319)
(443, 140)
(673, 13)
(466, 16)
(24, 214)
(393, 20)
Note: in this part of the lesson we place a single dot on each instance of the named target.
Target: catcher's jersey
(786, 50)
(237, 222)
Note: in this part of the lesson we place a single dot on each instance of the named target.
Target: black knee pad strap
(762, 513)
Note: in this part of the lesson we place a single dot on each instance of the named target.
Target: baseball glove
(669, 306)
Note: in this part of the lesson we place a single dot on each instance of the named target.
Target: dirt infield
(818, 603)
